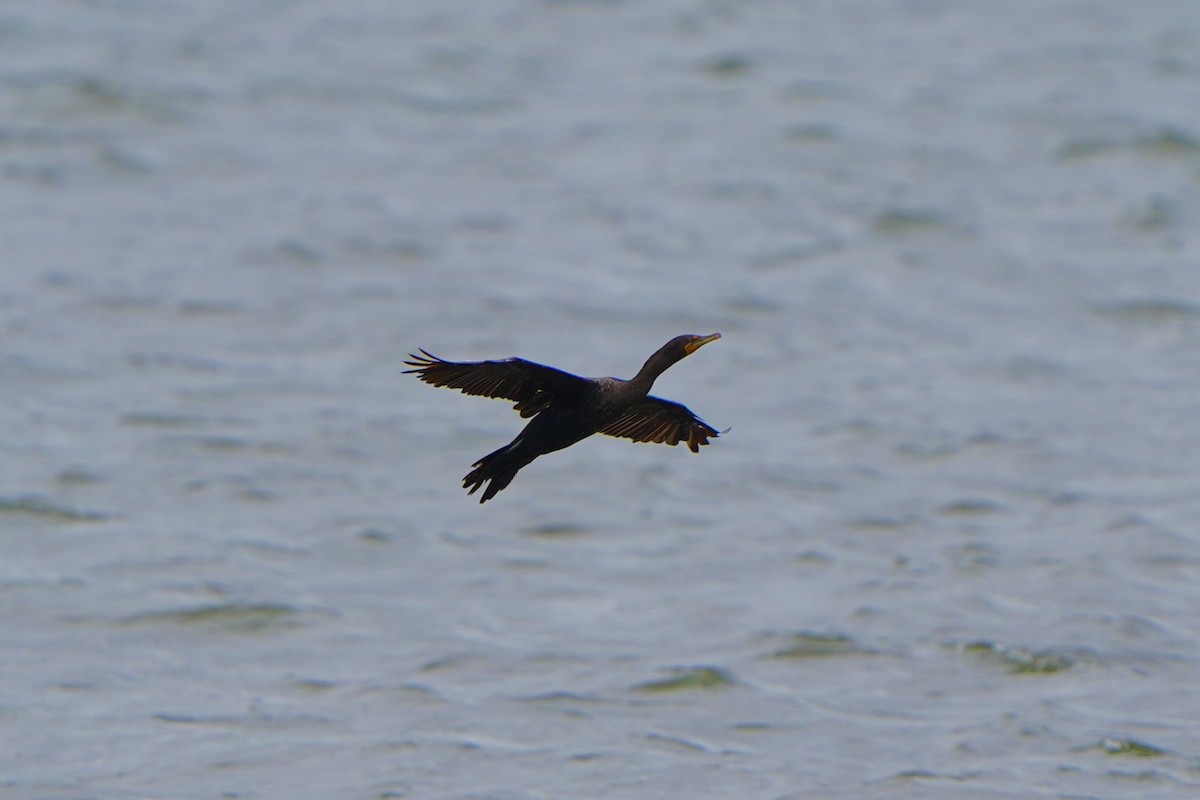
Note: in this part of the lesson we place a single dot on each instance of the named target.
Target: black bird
(567, 408)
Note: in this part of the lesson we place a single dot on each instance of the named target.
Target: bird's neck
(656, 365)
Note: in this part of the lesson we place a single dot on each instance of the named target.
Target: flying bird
(567, 408)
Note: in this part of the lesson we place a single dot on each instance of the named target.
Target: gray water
(948, 549)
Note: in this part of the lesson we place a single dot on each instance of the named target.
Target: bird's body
(567, 408)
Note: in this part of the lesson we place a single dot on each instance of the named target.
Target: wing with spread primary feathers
(663, 422)
(530, 386)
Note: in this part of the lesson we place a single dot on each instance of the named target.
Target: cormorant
(567, 408)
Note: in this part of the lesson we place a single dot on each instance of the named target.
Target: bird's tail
(498, 468)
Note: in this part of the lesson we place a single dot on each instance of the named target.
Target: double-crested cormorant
(566, 408)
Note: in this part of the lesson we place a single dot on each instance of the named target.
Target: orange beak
(700, 341)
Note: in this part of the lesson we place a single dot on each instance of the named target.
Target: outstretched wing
(530, 386)
(661, 421)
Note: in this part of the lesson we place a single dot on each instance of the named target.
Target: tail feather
(497, 468)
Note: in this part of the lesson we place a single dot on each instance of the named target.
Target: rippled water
(948, 549)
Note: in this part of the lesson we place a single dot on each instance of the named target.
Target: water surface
(948, 548)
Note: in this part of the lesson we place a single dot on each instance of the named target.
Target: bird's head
(675, 350)
(691, 343)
